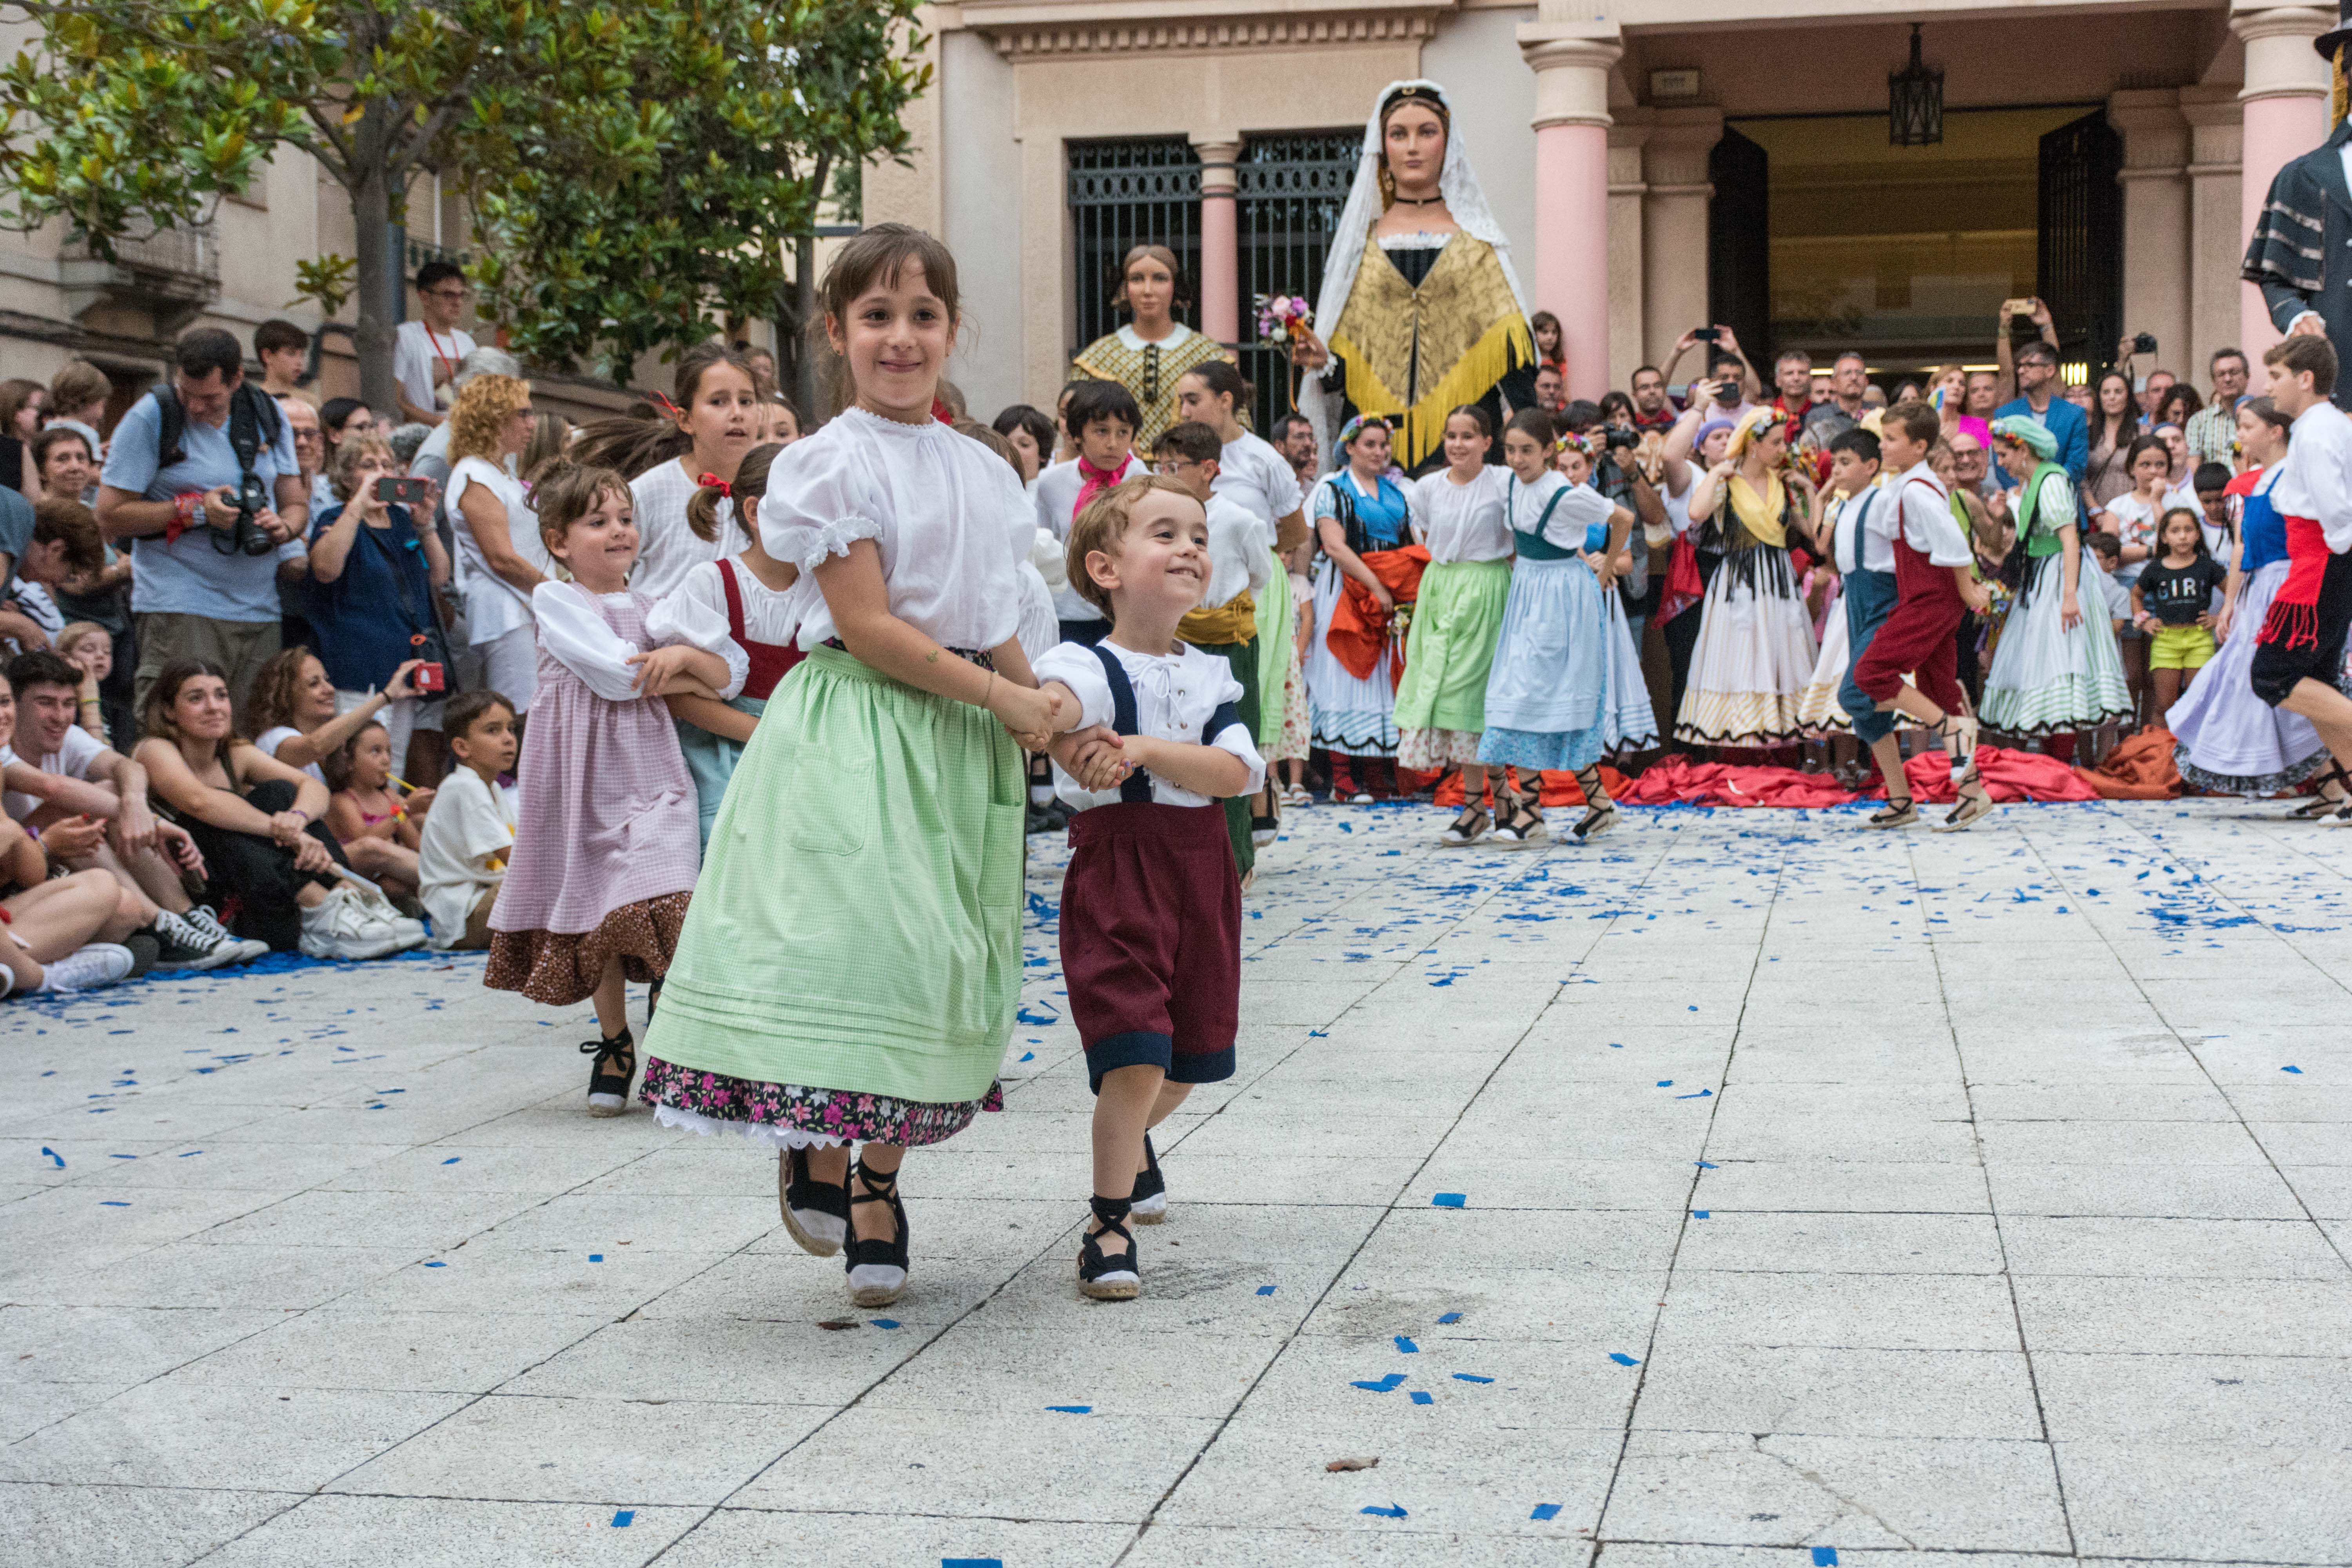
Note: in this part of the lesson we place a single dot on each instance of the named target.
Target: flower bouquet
(1283, 314)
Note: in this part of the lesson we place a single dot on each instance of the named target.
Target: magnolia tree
(639, 172)
(617, 225)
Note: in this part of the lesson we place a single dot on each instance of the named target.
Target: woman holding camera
(375, 565)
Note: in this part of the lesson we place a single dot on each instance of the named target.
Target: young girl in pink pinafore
(605, 845)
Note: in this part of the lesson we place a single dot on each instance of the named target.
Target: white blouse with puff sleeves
(939, 506)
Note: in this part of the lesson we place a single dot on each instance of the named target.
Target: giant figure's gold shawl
(1413, 353)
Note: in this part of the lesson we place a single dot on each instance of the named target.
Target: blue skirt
(1544, 696)
(711, 760)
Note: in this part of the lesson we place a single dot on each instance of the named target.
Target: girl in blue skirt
(1546, 696)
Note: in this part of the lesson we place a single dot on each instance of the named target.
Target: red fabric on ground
(1360, 626)
(2008, 777)
(1675, 780)
(2141, 768)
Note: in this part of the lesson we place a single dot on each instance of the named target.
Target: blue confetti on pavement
(1449, 1200)
(1622, 1359)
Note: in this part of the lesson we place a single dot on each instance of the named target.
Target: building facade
(1659, 166)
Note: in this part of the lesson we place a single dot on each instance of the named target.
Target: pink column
(2285, 99)
(1571, 273)
(1572, 62)
(1221, 297)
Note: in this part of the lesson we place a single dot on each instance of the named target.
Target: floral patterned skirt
(791, 1116)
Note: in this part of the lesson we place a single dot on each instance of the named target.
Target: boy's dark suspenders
(1137, 790)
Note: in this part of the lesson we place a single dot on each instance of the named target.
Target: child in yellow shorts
(2172, 602)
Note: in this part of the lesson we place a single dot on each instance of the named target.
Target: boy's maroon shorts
(1152, 940)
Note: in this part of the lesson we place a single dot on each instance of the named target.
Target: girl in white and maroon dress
(606, 847)
(754, 600)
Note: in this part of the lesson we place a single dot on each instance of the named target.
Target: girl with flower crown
(1755, 650)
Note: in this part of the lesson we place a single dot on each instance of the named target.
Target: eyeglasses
(451, 293)
(1171, 464)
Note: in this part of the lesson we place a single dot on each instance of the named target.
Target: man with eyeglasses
(426, 351)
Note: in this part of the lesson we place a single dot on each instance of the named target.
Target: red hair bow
(713, 482)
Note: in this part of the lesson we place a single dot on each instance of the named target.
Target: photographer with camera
(202, 477)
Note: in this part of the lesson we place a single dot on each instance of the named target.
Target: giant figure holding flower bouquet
(1420, 309)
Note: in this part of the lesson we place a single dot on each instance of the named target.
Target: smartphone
(1703, 334)
(426, 676)
(1728, 394)
(403, 493)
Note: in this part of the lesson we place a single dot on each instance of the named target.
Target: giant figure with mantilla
(1420, 310)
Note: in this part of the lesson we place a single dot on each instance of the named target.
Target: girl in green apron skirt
(851, 962)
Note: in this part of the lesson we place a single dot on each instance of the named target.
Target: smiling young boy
(469, 832)
(1151, 905)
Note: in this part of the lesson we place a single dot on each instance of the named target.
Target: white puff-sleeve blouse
(939, 506)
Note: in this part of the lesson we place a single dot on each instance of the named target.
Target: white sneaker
(205, 920)
(386, 913)
(87, 969)
(340, 927)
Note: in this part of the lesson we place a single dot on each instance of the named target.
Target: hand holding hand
(1032, 716)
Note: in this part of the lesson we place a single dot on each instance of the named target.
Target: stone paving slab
(1824, 1197)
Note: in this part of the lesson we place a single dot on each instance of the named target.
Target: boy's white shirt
(1176, 698)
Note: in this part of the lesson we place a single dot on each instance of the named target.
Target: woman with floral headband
(1420, 309)
(1364, 524)
(1755, 650)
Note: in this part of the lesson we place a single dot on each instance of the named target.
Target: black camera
(1618, 439)
(244, 534)
(2144, 342)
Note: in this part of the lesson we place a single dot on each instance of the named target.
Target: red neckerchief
(1093, 481)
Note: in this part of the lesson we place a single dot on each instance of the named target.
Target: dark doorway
(2080, 256)
(1740, 247)
(1290, 189)
(1125, 193)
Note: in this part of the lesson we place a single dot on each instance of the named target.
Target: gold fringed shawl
(1765, 517)
(1234, 621)
(1148, 373)
(1413, 353)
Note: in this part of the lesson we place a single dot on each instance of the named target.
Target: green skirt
(857, 924)
(1276, 634)
(1456, 621)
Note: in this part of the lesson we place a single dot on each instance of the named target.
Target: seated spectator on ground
(57, 925)
(470, 834)
(296, 723)
(375, 569)
(87, 803)
(78, 395)
(258, 823)
(367, 813)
